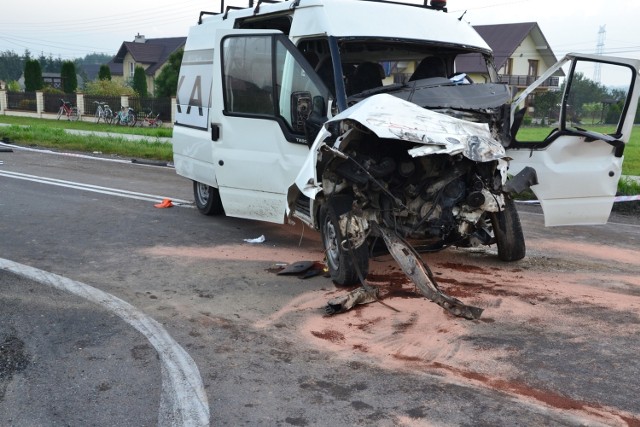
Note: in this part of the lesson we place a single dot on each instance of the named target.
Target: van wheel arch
(207, 199)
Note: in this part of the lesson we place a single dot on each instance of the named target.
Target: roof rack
(434, 4)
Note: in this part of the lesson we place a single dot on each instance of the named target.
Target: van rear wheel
(207, 199)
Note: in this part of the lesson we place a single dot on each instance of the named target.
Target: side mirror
(316, 120)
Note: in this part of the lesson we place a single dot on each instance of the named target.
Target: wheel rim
(202, 192)
(331, 245)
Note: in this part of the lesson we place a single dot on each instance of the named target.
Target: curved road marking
(94, 188)
(183, 400)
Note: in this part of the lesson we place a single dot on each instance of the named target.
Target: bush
(108, 88)
(13, 86)
(140, 82)
(52, 90)
(104, 73)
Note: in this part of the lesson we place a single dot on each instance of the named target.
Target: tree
(167, 81)
(11, 65)
(545, 103)
(140, 82)
(104, 73)
(32, 76)
(69, 78)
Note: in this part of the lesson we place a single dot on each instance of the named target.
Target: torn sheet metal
(413, 266)
(392, 118)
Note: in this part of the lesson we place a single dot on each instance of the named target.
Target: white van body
(258, 88)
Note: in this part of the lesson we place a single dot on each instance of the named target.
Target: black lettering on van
(195, 100)
(178, 94)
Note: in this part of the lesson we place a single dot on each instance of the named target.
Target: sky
(73, 28)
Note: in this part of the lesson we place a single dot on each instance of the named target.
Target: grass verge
(44, 135)
(88, 126)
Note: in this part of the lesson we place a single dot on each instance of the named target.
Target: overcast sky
(72, 28)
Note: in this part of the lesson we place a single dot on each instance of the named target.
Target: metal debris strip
(415, 268)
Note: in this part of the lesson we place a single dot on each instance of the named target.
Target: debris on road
(166, 203)
(260, 239)
(346, 302)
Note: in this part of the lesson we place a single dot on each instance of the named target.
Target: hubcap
(331, 245)
(203, 193)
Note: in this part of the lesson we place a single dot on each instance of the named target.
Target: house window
(533, 68)
(132, 67)
(509, 67)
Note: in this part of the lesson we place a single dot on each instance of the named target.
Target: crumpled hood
(392, 118)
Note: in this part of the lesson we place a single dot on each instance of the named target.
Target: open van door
(575, 138)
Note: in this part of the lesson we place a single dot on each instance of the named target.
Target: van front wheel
(343, 263)
(207, 199)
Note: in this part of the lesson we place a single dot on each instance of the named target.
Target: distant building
(521, 54)
(150, 54)
(54, 80)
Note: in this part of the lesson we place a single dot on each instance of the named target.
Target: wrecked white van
(288, 109)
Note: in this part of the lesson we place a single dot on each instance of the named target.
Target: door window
(265, 77)
(592, 102)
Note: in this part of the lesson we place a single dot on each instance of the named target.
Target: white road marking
(183, 400)
(95, 188)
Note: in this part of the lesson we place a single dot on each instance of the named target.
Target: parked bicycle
(125, 117)
(68, 110)
(150, 120)
(103, 111)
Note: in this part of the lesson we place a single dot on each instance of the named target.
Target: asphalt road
(138, 290)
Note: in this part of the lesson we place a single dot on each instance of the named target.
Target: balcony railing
(525, 81)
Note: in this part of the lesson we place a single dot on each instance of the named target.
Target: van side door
(575, 138)
(265, 92)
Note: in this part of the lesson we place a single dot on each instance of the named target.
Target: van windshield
(368, 64)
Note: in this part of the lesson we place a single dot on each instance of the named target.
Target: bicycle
(103, 111)
(151, 121)
(68, 110)
(126, 117)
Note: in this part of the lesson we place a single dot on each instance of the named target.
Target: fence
(144, 106)
(90, 106)
(27, 103)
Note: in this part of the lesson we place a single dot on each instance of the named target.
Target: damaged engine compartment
(387, 169)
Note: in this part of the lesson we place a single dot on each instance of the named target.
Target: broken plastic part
(346, 302)
(522, 181)
(415, 268)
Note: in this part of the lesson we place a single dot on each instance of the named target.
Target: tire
(59, 113)
(75, 116)
(99, 114)
(108, 116)
(157, 123)
(341, 263)
(207, 199)
(131, 120)
(507, 232)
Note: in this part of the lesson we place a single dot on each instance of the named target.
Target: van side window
(248, 76)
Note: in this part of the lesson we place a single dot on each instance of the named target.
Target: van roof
(361, 18)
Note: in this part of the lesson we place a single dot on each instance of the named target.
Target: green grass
(89, 126)
(41, 133)
(631, 164)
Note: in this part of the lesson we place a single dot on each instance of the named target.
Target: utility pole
(599, 50)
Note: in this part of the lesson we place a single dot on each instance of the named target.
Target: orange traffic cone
(166, 203)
